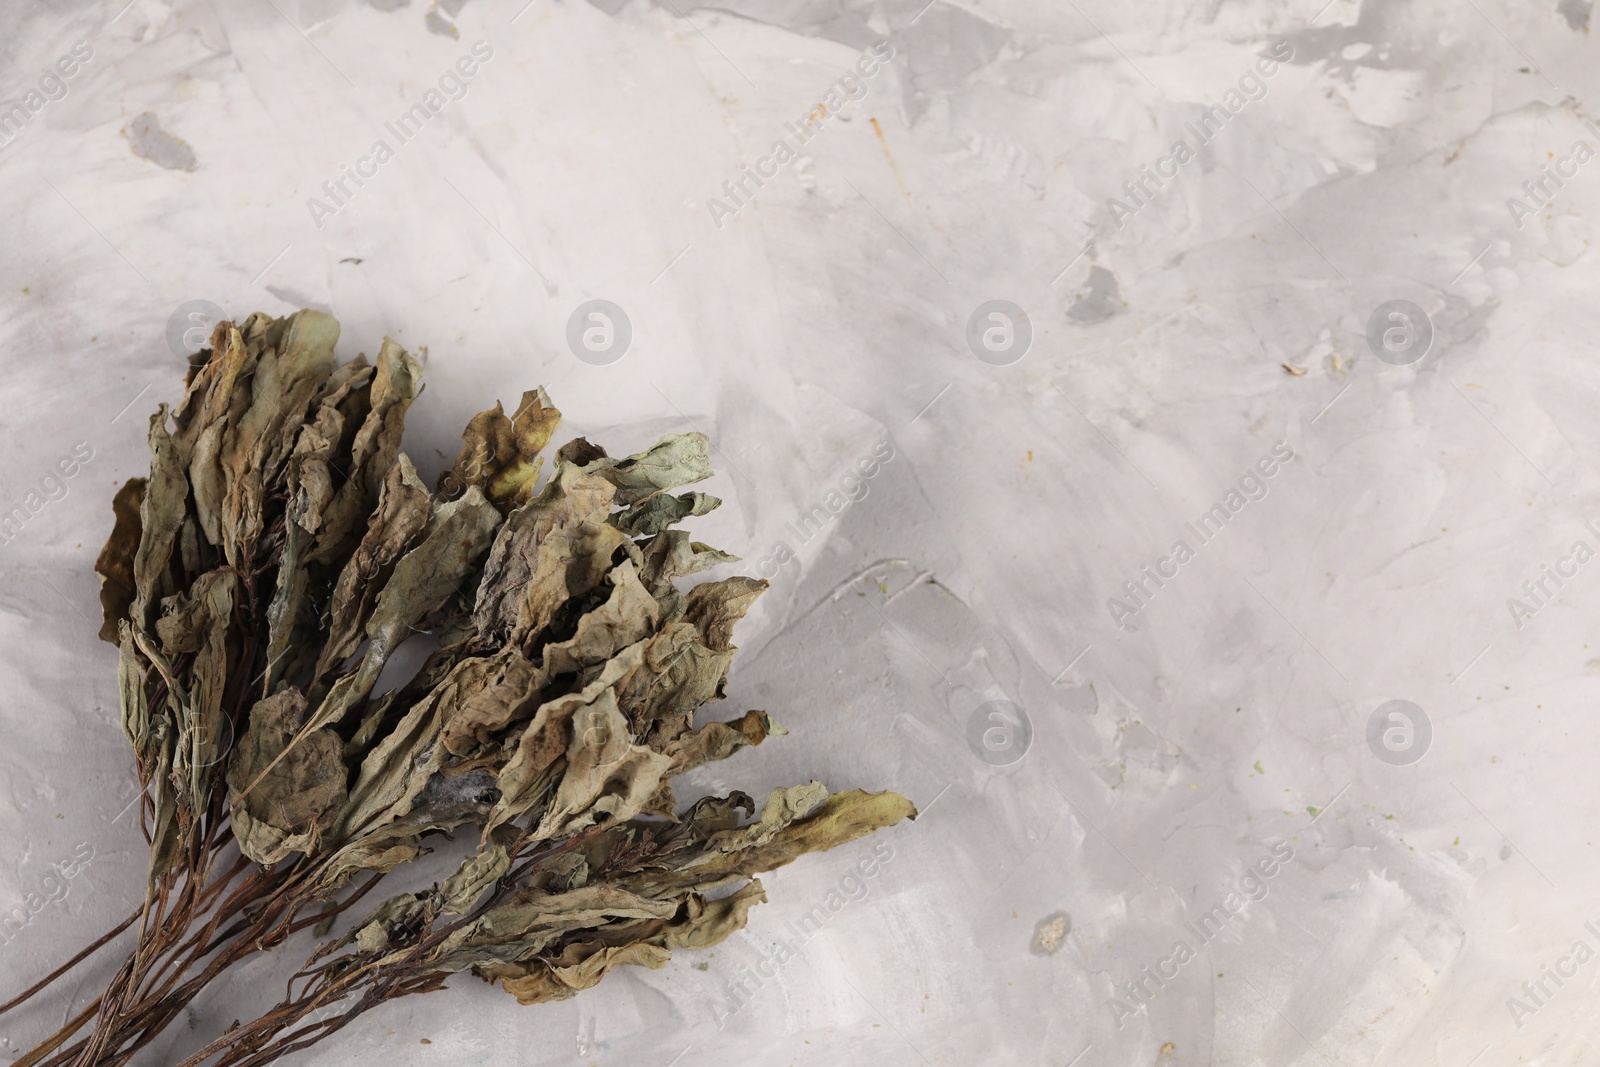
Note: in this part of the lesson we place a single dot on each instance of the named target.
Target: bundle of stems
(256, 585)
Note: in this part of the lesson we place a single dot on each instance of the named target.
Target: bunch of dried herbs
(257, 583)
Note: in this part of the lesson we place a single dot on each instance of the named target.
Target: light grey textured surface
(1177, 338)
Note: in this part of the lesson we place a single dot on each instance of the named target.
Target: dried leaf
(627, 615)
(556, 548)
(295, 793)
(655, 513)
(372, 450)
(115, 563)
(402, 514)
(161, 514)
(501, 455)
(677, 459)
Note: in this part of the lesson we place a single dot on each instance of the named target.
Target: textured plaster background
(1175, 342)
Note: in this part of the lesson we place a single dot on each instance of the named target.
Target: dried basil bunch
(258, 582)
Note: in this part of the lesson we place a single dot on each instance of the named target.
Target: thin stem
(60, 1036)
(73, 962)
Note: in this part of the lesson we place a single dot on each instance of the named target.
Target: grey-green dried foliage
(282, 549)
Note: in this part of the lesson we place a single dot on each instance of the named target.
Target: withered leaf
(509, 691)
(607, 774)
(315, 465)
(501, 455)
(713, 608)
(677, 459)
(399, 768)
(841, 818)
(628, 614)
(670, 555)
(476, 874)
(655, 513)
(557, 547)
(549, 736)
(161, 513)
(131, 687)
(115, 562)
(284, 799)
(402, 513)
(282, 386)
(372, 449)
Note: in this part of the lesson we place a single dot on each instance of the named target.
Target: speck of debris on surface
(1051, 932)
(151, 142)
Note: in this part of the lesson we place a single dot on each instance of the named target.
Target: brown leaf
(556, 548)
(161, 513)
(284, 382)
(742, 853)
(549, 737)
(627, 615)
(713, 608)
(582, 963)
(500, 455)
(294, 794)
(115, 562)
(372, 450)
(402, 514)
(670, 555)
(510, 691)
(607, 774)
